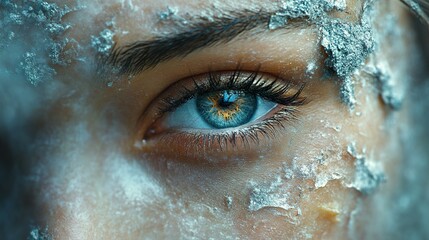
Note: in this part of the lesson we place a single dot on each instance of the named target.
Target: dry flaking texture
(268, 195)
(367, 178)
(104, 42)
(391, 86)
(386, 86)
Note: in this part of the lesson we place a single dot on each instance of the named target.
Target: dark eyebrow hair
(198, 33)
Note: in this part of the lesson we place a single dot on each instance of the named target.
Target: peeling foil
(347, 44)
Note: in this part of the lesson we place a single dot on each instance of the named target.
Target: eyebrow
(198, 33)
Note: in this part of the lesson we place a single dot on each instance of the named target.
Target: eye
(220, 112)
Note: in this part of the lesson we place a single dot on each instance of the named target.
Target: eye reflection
(223, 109)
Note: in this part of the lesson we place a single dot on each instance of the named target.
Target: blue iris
(228, 108)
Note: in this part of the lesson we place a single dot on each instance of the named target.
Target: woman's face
(220, 119)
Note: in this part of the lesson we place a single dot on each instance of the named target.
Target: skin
(96, 184)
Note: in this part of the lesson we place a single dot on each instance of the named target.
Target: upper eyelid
(141, 55)
(272, 90)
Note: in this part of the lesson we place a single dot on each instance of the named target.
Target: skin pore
(95, 174)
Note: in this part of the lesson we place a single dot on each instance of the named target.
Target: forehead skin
(138, 20)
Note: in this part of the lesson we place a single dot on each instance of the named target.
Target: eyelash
(255, 83)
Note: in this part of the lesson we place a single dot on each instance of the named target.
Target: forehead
(137, 19)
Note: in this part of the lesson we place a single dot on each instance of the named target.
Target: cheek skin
(320, 143)
(92, 200)
(90, 203)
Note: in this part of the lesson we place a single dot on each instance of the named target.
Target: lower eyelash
(239, 139)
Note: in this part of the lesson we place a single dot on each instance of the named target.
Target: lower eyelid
(220, 146)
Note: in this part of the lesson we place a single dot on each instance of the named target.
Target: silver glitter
(16, 18)
(64, 52)
(104, 42)
(337, 4)
(171, 16)
(35, 20)
(347, 44)
(313, 9)
(36, 69)
(311, 68)
(277, 21)
(48, 15)
(168, 14)
(39, 234)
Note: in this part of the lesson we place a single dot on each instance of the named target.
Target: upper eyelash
(253, 84)
(273, 89)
